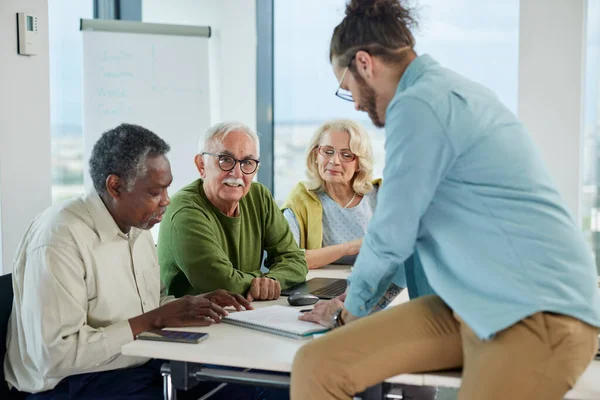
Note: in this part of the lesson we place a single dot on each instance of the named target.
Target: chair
(6, 301)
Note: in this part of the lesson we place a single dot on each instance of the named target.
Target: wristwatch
(336, 318)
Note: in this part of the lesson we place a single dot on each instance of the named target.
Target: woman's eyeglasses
(345, 155)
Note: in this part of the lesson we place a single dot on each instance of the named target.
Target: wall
(232, 50)
(551, 55)
(25, 176)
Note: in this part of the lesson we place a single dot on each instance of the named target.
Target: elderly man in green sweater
(216, 230)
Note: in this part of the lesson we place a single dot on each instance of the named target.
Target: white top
(77, 280)
(340, 225)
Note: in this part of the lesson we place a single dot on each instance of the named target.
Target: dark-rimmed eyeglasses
(343, 93)
(227, 163)
(345, 155)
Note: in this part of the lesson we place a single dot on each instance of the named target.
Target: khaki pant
(540, 357)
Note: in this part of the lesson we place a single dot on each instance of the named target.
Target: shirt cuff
(369, 280)
(117, 335)
(358, 299)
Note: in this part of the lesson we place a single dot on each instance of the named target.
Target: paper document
(279, 320)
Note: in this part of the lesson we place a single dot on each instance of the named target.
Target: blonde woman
(328, 214)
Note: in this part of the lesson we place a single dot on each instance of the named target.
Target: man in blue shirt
(516, 302)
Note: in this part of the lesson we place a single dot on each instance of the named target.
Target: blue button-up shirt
(467, 192)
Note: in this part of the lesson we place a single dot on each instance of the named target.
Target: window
(66, 95)
(481, 44)
(304, 86)
(478, 39)
(591, 134)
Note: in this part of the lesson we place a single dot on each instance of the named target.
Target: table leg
(169, 392)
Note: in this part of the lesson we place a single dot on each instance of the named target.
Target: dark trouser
(145, 383)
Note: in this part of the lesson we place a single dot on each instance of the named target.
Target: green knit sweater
(200, 249)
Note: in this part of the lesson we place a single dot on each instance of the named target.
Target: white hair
(224, 129)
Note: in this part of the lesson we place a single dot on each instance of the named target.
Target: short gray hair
(123, 151)
(224, 129)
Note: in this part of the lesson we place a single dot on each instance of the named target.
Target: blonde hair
(360, 144)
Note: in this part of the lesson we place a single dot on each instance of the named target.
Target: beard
(369, 101)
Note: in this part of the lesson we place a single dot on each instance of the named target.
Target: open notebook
(279, 320)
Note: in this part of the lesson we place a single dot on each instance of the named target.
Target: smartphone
(163, 335)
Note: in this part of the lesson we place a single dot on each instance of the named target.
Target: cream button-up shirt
(77, 280)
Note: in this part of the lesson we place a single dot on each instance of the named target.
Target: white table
(233, 346)
(228, 344)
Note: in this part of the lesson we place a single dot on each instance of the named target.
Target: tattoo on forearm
(389, 296)
(393, 291)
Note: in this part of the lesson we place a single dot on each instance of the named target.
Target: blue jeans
(145, 383)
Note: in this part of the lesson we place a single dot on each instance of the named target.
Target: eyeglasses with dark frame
(345, 155)
(345, 95)
(227, 163)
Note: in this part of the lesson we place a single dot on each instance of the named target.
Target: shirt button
(372, 290)
(362, 308)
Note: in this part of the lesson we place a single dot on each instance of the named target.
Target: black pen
(306, 310)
